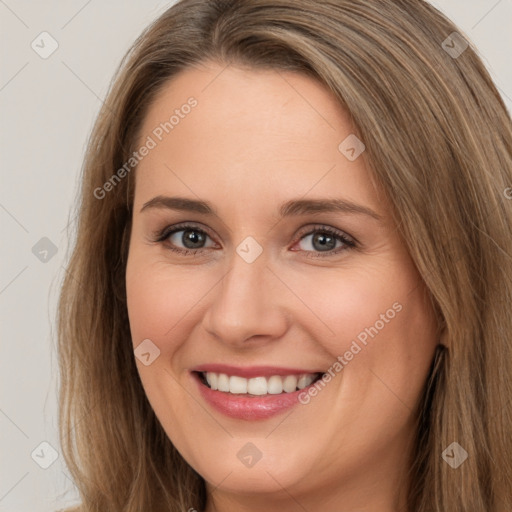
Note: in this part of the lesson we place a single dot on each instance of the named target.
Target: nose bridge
(246, 301)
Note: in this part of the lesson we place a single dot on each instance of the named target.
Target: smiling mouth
(257, 386)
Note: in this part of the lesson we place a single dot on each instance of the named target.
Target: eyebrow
(290, 208)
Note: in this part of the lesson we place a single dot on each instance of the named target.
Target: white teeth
(290, 383)
(273, 385)
(237, 384)
(257, 386)
(304, 381)
(223, 382)
(211, 378)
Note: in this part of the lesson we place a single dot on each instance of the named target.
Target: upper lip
(252, 371)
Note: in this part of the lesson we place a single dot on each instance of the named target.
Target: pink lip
(248, 407)
(252, 371)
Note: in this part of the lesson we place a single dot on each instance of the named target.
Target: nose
(248, 304)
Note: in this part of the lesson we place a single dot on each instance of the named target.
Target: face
(262, 257)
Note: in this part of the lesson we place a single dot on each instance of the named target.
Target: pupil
(325, 241)
(193, 237)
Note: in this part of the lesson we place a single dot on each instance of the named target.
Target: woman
(291, 283)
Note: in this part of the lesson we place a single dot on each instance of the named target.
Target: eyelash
(164, 234)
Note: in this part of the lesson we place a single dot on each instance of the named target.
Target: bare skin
(255, 140)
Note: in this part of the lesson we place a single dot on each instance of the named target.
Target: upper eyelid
(171, 229)
(306, 230)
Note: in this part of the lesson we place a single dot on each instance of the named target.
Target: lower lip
(246, 407)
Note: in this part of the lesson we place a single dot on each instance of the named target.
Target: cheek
(379, 330)
(351, 305)
(159, 299)
(380, 334)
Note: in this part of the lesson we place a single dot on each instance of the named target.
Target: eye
(322, 239)
(191, 237)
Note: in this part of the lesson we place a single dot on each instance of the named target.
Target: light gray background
(47, 107)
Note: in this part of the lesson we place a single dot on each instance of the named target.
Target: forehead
(244, 96)
(250, 132)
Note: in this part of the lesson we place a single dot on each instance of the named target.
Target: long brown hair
(438, 143)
